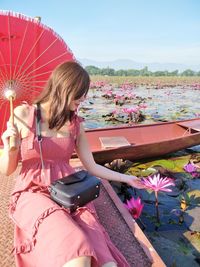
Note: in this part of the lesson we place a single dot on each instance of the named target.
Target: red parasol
(29, 51)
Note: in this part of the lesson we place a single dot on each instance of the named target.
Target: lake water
(162, 105)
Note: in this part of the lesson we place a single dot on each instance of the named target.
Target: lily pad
(141, 171)
(173, 165)
(194, 197)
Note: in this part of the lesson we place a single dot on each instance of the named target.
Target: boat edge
(145, 244)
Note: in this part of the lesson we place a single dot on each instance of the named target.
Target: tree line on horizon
(93, 70)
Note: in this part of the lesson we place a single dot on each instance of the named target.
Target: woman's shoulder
(78, 119)
(22, 116)
(22, 111)
(78, 124)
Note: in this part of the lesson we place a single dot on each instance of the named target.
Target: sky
(162, 31)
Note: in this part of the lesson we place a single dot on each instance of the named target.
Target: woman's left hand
(135, 182)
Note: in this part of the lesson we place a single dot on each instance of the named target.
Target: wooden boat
(143, 141)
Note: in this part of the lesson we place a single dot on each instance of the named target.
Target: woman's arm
(86, 157)
(9, 159)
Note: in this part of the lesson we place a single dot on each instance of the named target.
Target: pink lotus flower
(190, 168)
(108, 93)
(130, 95)
(135, 207)
(143, 105)
(130, 110)
(114, 112)
(197, 115)
(157, 183)
(118, 97)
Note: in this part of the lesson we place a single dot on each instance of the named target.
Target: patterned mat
(109, 215)
(6, 226)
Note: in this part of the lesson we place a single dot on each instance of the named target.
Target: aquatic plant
(119, 99)
(130, 96)
(133, 113)
(192, 169)
(142, 105)
(185, 201)
(108, 94)
(135, 207)
(157, 183)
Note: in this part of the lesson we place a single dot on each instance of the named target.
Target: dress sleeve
(75, 126)
(78, 121)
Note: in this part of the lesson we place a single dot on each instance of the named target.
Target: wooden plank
(194, 125)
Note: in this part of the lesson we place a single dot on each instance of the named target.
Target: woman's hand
(11, 131)
(135, 182)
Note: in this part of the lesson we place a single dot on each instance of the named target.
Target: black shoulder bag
(72, 191)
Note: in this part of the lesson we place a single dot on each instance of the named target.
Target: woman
(46, 235)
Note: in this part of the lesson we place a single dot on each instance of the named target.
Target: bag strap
(38, 122)
(38, 132)
(73, 178)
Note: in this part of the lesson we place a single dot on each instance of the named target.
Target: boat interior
(141, 134)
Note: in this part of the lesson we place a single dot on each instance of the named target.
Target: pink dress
(46, 235)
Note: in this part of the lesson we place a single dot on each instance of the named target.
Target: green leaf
(173, 165)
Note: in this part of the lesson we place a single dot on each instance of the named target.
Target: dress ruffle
(29, 244)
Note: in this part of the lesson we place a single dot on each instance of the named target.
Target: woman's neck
(45, 110)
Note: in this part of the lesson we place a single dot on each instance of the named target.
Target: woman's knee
(84, 261)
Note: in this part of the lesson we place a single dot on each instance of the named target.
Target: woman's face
(75, 103)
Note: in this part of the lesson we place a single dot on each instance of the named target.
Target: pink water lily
(143, 105)
(134, 206)
(127, 86)
(130, 95)
(158, 183)
(119, 99)
(115, 111)
(130, 110)
(108, 93)
(190, 168)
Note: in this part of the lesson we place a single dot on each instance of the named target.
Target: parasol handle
(13, 140)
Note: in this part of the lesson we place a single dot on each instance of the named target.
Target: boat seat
(138, 253)
(190, 126)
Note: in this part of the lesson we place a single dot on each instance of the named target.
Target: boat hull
(145, 150)
(146, 141)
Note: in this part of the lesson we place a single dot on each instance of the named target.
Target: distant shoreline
(145, 72)
(156, 82)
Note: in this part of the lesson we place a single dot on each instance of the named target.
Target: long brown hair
(69, 81)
